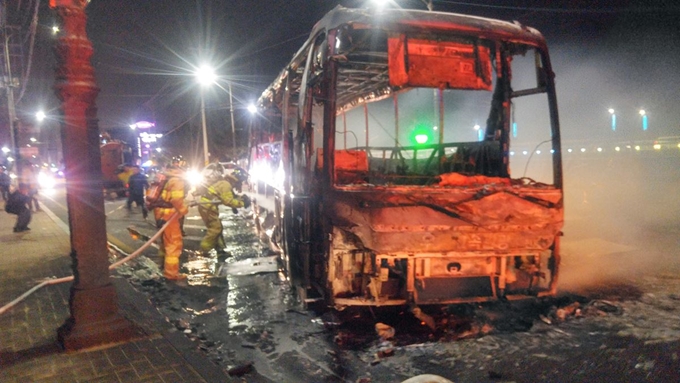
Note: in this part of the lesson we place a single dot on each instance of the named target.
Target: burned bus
(412, 158)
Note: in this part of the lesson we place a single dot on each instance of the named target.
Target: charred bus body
(382, 165)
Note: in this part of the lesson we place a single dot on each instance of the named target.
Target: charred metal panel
(440, 245)
(440, 290)
(387, 222)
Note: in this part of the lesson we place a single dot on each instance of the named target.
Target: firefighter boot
(171, 269)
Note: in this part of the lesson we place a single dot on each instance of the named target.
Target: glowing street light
(205, 76)
(611, 111)
(40, 116)
(480, 133)
(644, 119)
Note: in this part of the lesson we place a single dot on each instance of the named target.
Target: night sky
(616, 53)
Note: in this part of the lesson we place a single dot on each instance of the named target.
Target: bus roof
(412, 20)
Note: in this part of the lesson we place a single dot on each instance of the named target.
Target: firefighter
(214, 192)
(137, 186)
(180, 163)
(172, 198)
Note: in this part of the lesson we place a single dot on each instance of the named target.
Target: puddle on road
(200, 269)
(250, 266)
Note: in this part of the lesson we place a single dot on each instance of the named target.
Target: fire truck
(114, 155)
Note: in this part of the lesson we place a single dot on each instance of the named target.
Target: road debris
(384, 331)
(241, 369)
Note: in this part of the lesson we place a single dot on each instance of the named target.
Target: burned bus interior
(388, 169)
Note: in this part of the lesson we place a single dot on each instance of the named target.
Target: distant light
(252, 109)
(583, 150)
(147, 163)
(6, 149)
(435, 127)
(10, 159)
(205, 75)
(552, 151)
(158, 150)
(514, 129)
(40, 116)
(611, 111)
(421, 138)
(142, 125)
(627, 146)
(599, 150)
(657, 146)
(538, 152)
(525, 152)
(678, 147)
(617, 149)
(642, 112)
(480, 132)
(513, 153)
(33, 139)
(569, 150)
(637, 147)
(55, 30)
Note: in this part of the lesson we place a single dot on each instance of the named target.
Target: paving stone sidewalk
(29, 351)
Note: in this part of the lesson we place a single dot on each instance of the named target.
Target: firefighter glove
(234, 210)
(246, 201)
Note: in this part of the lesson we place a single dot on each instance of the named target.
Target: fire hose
(54, 281)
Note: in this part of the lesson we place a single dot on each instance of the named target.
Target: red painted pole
(95, 318)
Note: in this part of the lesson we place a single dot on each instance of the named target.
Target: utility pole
(93, 302)
(9, 87)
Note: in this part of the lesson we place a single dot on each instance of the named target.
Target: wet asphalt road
(254, 327)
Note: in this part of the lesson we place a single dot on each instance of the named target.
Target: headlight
(45, 181)
(194, 177)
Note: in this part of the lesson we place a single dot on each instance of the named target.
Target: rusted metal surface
(394, 220)
(464, 243)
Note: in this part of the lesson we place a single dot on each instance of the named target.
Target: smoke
(622, 218)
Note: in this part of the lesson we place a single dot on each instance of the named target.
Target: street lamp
(233, 128)
(479, 131)
(253, 111)
(205, 76)
(611, 111)
(643, 113)
(40, 116)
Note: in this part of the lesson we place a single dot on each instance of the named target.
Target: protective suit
(217, 191)
(173, 200)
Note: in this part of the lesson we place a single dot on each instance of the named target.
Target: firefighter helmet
(179, 162)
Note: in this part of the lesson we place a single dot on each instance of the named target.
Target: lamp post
(643, 114)
(233, 129)
(253, 110)
(93, 302)
(205, 76)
